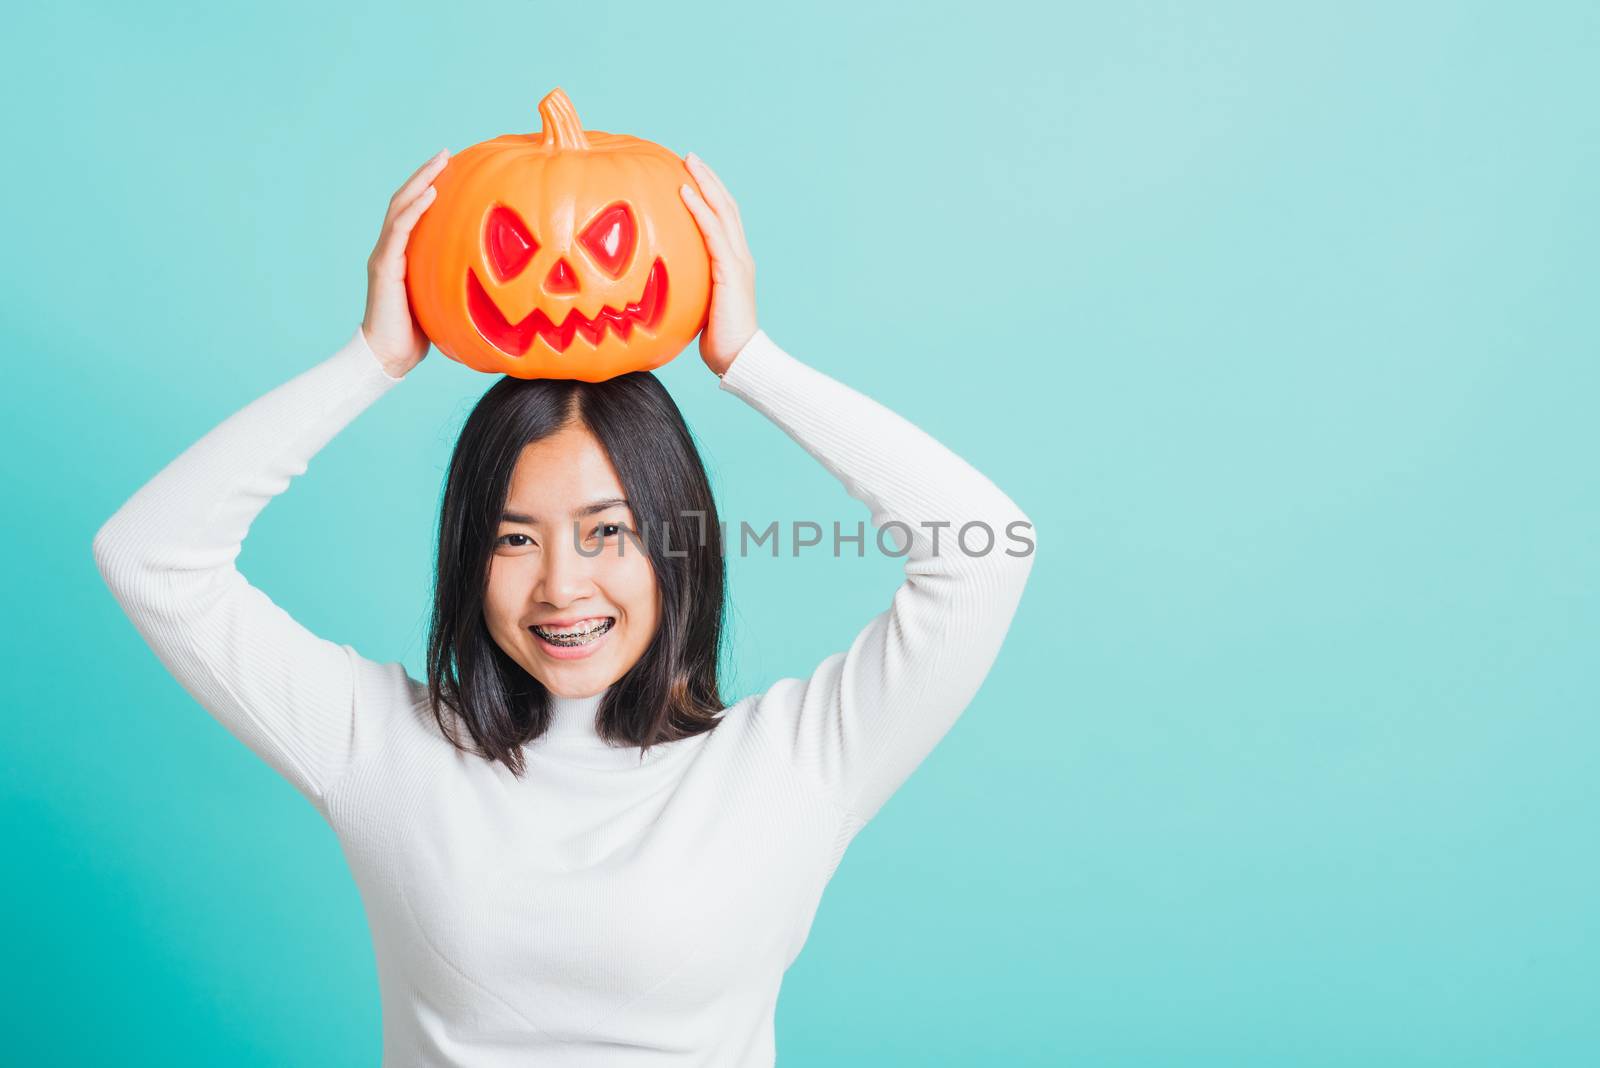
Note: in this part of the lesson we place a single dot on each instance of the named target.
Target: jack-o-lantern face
(609, 241)
(563, 254)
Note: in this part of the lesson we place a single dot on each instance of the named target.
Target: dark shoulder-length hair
(671, 692)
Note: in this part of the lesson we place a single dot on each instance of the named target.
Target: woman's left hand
(731, 322)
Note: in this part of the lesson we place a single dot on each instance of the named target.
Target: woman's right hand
(391, 330)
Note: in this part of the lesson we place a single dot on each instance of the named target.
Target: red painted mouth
(514, 339)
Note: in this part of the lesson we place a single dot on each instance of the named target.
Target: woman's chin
(575, 678)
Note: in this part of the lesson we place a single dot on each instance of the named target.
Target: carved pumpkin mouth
(514, 339)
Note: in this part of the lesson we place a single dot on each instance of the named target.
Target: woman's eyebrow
(588, 509)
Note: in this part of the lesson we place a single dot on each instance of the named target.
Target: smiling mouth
(514, 339)
(577, 635)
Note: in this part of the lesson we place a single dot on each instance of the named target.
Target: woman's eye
(607, 530)
(501, 540)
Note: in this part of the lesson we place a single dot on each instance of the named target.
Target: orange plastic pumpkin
(560, 254)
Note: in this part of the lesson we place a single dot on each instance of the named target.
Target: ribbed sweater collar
(573, 719)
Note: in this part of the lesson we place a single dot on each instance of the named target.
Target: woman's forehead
(567, 474)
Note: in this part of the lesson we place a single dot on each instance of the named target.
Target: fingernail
(693, 158)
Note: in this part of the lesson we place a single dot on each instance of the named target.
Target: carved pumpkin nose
(561, 279)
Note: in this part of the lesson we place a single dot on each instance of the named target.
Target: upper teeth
(576, 629)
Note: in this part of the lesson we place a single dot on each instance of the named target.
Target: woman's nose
(565, 576)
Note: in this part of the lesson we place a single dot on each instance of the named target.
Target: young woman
(570, 850)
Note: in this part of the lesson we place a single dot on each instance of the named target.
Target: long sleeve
(168, 555)
(866, 717)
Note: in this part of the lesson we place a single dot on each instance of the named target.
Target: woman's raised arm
(168, 557)
(863, 720)
(866, 717)
(168, 554)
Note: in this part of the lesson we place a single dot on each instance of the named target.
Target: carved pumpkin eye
(610, 239)
(509, 244)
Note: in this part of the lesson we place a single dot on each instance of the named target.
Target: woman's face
(543, 575)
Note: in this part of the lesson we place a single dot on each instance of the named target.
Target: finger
(413, 211)
(414, 184)
(430, 165)
(396, 235)
(711, 225)
(718, 196)
(710, 189)
(716, 193)
(443, 153)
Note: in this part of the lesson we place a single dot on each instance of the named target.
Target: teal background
(1279, 320)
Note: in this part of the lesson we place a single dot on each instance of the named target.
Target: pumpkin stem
(560, 121)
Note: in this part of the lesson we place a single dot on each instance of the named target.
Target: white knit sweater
(595, 911)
